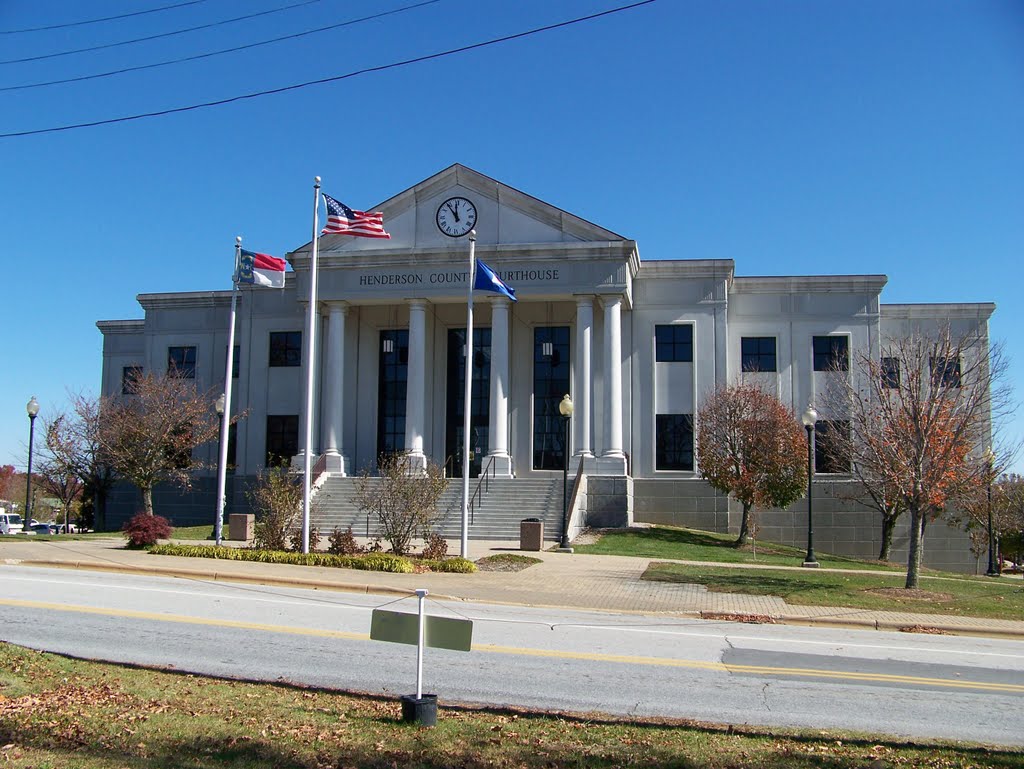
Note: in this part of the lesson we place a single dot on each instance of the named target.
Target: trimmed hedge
(371, 562)
(451, 565)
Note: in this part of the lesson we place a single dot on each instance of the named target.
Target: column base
(338, 464)
(607, 465)
(416, 463)
(500, 464)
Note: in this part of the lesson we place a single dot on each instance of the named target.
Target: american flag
(343, 220)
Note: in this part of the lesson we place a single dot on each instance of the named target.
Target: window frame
(889, 371)
(127, 380)
(950, 374)
(661, 450)
(822, 459)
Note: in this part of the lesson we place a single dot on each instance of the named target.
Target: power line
(160, 35)
(220, 52)
(97, 21)
(336, 78)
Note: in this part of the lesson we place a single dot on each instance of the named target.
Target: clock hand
(455, 210)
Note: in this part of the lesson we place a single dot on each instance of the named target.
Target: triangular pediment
(504, 217)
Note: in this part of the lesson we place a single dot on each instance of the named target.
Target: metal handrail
(448, 468)
(575, 492)
(480, 484)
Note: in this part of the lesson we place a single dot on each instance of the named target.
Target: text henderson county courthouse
(637, 345)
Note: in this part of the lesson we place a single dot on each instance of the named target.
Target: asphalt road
(897, 684)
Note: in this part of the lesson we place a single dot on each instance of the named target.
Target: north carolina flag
(261, 270)
(488, 280)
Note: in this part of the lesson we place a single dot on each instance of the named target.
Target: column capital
(335, 304)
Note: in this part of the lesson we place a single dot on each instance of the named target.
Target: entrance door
(480, 400)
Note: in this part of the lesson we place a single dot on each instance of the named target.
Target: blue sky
(797, 138)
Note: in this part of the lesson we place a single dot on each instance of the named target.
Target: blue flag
(488, 280)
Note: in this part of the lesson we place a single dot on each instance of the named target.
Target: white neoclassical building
(637, 345)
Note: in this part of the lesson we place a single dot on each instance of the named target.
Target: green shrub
(373, 562)
(314, 539)
(451, 565)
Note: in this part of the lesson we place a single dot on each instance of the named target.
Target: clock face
(456, 217)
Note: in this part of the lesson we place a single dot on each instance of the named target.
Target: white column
(581, 398)
(498, 427)
(613, 457)
(416, 392)
(334, 384)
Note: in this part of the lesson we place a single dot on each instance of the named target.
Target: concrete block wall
(608, 502)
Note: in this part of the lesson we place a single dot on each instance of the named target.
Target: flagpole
(225, 420)
(310, 373)
(467, 403)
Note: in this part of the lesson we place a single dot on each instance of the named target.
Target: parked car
(11, 523)
(46, 528)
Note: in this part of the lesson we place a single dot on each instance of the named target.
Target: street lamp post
(32, 407)
(992, 570)
(809, 418)
(218, 523)
(565, 409)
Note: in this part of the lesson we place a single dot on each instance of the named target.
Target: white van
(11, 523)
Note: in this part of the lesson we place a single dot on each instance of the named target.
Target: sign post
(423, 631)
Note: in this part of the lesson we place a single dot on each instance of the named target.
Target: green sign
(438, 632)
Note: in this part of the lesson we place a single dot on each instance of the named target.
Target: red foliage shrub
(144, 530)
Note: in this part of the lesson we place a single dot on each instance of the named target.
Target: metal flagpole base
(421, 710)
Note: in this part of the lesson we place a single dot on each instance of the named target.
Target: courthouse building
(637, 344)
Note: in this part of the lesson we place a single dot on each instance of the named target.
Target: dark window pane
(831, 353)
(181, 362)
(945, 372)
(890, 373)
(674, 442)
(285, 348)
(392, 377)
(829, 438)
(130, 375)
(282, 438)
(757, 353)
(673, 343)
(236, 355)
(550, 384)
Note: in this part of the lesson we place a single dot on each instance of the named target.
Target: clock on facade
(456, 217)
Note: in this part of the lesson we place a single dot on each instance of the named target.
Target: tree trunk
(147, 500)
(888, 528)
(916, 545)
(744, 527)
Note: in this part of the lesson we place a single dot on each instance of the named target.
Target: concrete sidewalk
(599, 582)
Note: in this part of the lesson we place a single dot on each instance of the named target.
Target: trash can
(531, 534)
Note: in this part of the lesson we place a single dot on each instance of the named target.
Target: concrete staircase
(503, 503)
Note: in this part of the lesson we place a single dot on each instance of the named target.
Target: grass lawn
(195, 532)
(56, 712)
(966, 597)
(692, 545)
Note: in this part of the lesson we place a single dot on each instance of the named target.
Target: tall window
(829, 438)
(757, 353)
(551, 381)
(480, 398)
(181, 362)
(392, 379)
(233, 446)
(674, 442)
(831, 353)
(282, 438)
(945, 372)
(673, 343)
(130, 376)
(285, 348)
(890, 373)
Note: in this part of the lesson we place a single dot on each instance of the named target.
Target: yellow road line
(548, 653)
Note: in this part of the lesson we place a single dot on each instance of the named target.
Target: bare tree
(750, 445)
(405, 503)
(1000, 503)
(921, 419)
(148, 434)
